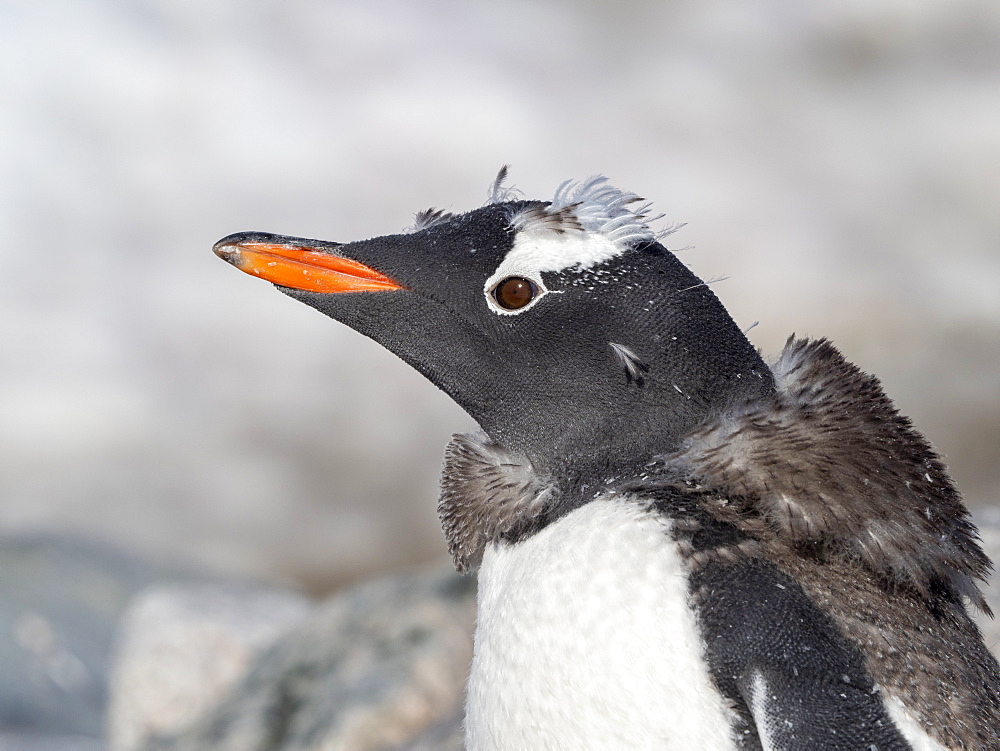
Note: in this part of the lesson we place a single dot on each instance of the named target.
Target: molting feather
(430, 217)
(486, 492)
(828, 466)
(635, 368)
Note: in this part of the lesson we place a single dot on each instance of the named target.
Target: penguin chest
(586, 639)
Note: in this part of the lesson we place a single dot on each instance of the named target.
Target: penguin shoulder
(826, 466)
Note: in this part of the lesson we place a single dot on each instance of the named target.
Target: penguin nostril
(514, 292)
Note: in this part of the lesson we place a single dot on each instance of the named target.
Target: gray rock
(60, 603)
(183, 646)
(382, 666)
(45, 742)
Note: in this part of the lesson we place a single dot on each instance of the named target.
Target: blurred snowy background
(838, 161)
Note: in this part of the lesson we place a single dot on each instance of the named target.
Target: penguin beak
(309, 265)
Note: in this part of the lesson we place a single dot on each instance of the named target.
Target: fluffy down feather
(486, 493)
(827, 466)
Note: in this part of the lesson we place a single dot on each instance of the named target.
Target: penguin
(678, 545)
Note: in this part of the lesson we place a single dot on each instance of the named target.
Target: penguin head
(563, 327)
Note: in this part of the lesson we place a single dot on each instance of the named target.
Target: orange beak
(299, 266)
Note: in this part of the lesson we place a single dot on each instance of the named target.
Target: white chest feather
(585, 640)
(911, 728)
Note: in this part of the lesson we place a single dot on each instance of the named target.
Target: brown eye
(514, 292)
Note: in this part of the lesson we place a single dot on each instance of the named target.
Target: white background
(838, 160)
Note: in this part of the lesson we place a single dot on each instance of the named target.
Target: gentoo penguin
(678, 546)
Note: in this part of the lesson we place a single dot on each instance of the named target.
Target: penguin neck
(601, 442)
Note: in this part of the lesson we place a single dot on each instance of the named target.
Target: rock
(382, 666)
(45, 742)
(60, 603)
(182, 646)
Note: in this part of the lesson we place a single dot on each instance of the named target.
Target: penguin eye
(514, 292)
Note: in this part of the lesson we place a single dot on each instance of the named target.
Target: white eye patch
(535, 252)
